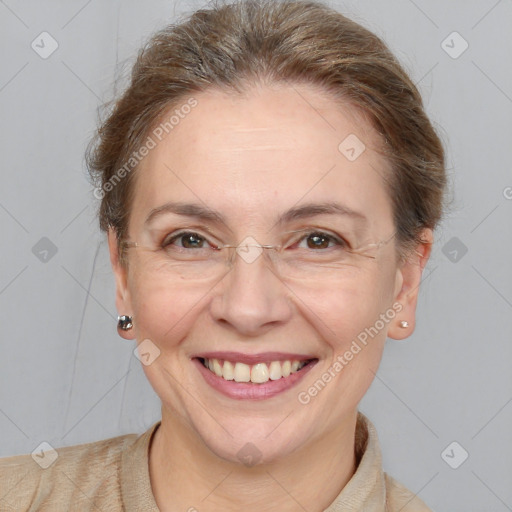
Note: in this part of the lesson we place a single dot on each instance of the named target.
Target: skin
(252, 157)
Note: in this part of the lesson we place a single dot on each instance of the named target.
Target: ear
(408, 279)
(123, 301)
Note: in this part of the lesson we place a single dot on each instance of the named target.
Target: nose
(252, 298)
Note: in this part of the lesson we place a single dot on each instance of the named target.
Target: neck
(187, 476)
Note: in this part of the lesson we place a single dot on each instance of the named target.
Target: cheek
(341, 309)
(352, 325)
(163, 312)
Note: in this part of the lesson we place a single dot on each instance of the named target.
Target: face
(260, 162)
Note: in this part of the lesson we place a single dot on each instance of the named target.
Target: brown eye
(187, 240)
(318, 241)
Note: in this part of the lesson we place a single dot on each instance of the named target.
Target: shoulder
(72, 478)
(399, 498)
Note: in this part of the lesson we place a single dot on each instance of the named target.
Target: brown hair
(296, 41)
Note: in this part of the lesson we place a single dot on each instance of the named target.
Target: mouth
(258, 373)
(261, 376)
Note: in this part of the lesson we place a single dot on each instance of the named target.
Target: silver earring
(124, 323)
(404, 324)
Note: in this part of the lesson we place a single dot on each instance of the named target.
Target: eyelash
(331, 237)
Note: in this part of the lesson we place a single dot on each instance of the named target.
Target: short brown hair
(230, 46)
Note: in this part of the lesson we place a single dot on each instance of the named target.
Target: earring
(124, 323)
(404, 324)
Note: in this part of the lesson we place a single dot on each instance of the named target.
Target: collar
(136, 493)
(366, 490)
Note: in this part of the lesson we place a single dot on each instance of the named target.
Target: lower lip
(250, 390)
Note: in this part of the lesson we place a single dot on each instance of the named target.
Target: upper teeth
(257, 373)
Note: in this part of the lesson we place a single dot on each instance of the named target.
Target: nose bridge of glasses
(248, 250)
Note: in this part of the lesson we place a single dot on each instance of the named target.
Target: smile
(252, 376)
(258, 373)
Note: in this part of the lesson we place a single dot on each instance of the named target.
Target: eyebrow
(205, 213)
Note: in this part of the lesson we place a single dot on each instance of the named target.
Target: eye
(321, 240)
(186, 240)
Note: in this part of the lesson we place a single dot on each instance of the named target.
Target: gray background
(65, 375)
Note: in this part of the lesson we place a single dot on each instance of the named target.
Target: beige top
(113, 475)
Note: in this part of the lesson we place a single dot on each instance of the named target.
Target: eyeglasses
(190, 255)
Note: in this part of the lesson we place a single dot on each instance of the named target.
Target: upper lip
(250, 359)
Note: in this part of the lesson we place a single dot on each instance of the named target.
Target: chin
(252, 448)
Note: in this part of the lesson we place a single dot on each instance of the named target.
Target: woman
(269, 186)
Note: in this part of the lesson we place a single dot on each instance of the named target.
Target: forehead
(256, 154)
